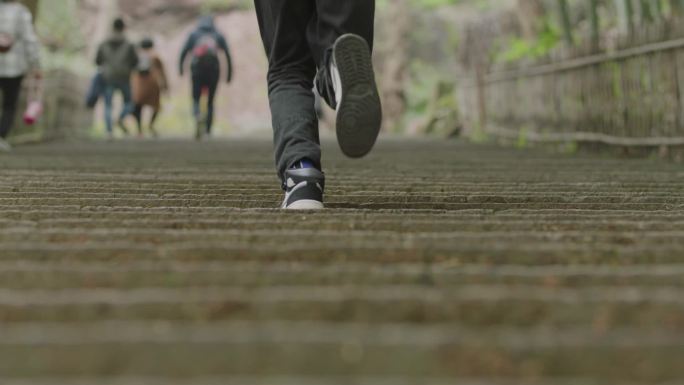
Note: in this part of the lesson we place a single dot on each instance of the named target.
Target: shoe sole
(306, 204)
(359, 115)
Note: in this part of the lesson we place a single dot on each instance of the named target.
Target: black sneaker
(356, 97)
(303, 189)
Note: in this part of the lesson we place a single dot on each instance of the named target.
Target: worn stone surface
(166, 263)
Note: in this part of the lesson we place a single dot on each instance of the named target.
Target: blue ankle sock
(304, 163)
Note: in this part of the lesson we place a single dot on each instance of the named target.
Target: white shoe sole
(306, 204)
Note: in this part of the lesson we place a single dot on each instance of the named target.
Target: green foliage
(443, 118)
(424, 78)
(216, 6)
(422, 4)
(432, 106)
(519, 48)
(59, 31)
(479, 135)
(569, 148)
(523, 141)
(434, 3)
(616, 72)
(58, 25)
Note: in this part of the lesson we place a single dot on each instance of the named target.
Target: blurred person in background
(19, 57)
(148, 82)
(326, 44)
(117, 58)
(204, 45)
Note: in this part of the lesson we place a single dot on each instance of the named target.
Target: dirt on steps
(167, 262)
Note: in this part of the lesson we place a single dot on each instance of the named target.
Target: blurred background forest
(429, 52)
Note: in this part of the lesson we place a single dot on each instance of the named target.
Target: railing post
(679, 83)
(566, 21)
(481, 97)
(595, 24)
(626, 12)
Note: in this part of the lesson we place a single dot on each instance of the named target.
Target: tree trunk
(395, 69)
(626, 12)
(646, 10)
(530, 15)
(677, 7)
(595, 24)
(658, 9)
(566, 22)
(107, 10)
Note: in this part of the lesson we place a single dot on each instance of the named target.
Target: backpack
(117, 66)
(205, 51)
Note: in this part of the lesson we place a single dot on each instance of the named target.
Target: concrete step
(437, 262)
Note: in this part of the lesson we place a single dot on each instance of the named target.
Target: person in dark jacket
(117, 58)
(204, 45)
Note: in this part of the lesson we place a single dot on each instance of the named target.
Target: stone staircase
(437, 263)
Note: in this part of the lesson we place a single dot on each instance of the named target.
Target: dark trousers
(10, 88)
(205, 81)
(138, 114)
(127, 109)
(298, 36)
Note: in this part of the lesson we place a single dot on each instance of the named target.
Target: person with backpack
(117, 58)
(326, 44)
(205, 44)
(148, 83)
(19, 56)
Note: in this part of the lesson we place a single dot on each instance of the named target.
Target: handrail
(572, 64)
(586, 137)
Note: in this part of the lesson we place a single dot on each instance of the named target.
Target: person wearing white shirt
(19, 56)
